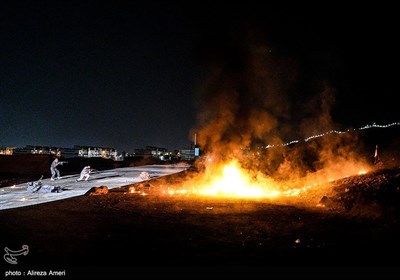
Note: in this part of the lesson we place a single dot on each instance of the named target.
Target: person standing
(55, 173)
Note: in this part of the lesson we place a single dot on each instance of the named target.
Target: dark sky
(127, 74)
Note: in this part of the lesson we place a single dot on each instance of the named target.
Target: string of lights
(368, 126)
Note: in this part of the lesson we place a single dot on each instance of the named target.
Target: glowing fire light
(232, 180)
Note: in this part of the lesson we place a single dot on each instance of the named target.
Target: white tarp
(19, 195)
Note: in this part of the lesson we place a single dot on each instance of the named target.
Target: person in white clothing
(38, 187)
(85, 173)
(55, 173)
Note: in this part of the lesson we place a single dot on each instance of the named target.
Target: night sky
(127, 74)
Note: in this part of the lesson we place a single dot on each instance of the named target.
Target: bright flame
(232, 180)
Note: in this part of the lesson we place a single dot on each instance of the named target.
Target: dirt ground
(161, 236)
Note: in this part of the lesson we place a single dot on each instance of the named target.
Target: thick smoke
(254, 96)
(243, 99)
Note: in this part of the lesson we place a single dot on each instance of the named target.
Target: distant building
(91, 151)
(156, 152)
(37, 150)
(142, 153)
(191, 153)
(69, 152)
(104, 152)
(151, 152)
(187, 154)
(6, 151)
(76, 151)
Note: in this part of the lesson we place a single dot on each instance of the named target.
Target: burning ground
(147, 224)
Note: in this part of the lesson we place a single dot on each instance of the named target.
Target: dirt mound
(374, 194)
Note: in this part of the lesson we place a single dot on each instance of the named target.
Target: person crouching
(85, 173)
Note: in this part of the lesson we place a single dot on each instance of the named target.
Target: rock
(328, 202)
(144, 176)
(97, 190)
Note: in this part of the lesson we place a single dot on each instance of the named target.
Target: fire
(234, 181)
(231, 180)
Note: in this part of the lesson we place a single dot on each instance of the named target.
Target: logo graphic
(9, 256)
